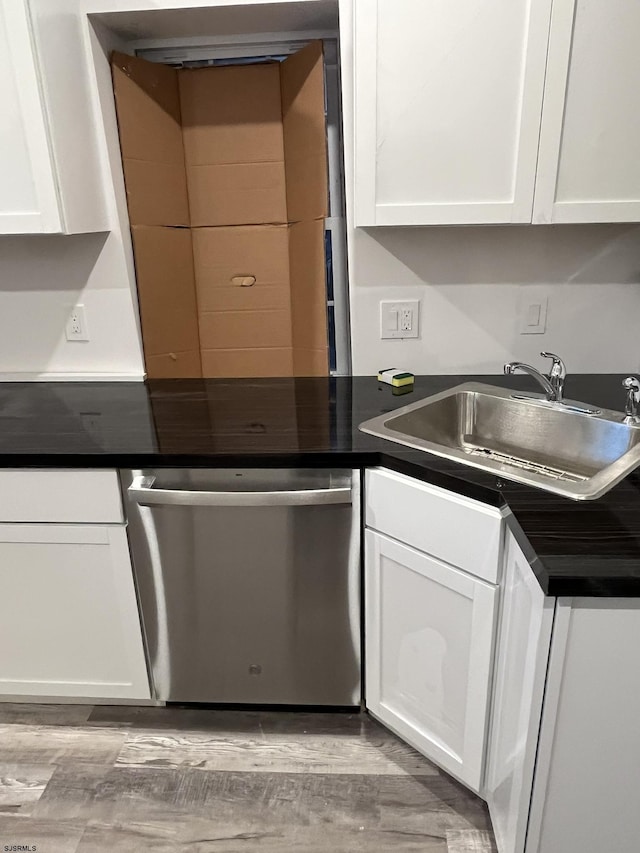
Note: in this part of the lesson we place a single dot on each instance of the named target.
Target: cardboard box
(226, 178)
(167, 296)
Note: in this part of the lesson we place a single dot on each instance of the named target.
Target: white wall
(469, 281)
(467, 278)
(41, 278)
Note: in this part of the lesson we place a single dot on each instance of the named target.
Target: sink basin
(547, 445)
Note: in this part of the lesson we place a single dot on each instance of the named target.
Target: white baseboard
(76, 700)
(72, 377)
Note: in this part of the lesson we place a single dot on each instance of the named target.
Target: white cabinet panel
(522, 652)
(69, 623)
(428, 634)
(586, 785)
(447, 109)
(589, 168)
(28, 199)
(16, 178)
(50, 171)
(452, 528)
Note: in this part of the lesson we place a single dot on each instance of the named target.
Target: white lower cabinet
(522, 654)
(429, 640)
(585, 792)
(531, 701)
(69, 623)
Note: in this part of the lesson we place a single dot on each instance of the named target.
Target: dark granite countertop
(589, 548)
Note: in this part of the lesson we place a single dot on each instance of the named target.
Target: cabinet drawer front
(60, 496)
(458, 530)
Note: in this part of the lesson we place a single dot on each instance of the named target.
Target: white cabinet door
(522, 653)
(589, 168)
(51, 179)
(448, 100)
(69, 623)
(28, 195)
(428, 635)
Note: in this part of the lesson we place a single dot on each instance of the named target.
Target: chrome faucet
(632, 386)
(552, 384)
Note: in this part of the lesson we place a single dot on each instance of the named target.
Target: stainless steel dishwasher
(248, 583)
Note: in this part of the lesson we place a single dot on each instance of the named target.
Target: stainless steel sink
(552, 446)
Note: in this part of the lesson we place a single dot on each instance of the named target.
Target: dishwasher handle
(142, 492)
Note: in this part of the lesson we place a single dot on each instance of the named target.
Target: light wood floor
(83, 779)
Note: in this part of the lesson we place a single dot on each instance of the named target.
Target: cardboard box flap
(244, 300)
(167, 296)
(148, 104)
(231, 114)
(149, 123)
(243, 268)
(308, 299)
(171, 365)
(237, 194)
(246, 363)
(234, 148)
(156, 193)
(305, 143)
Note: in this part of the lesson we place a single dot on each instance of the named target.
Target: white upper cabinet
(496, 111)
(448, 99)
(28, 199)
(589, 165)
(50, 180)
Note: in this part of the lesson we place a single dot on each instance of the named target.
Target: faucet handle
(558, 367)
(632, 386)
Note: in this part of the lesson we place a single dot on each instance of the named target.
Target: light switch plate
(399, 319)
(533, 305)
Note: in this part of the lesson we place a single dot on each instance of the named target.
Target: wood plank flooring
(83, 779)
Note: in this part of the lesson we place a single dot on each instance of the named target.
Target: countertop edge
(349, 459)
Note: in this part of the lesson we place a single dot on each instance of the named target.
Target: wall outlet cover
(76, 327)
(399, 319)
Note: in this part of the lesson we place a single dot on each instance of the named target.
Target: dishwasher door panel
(249, 604)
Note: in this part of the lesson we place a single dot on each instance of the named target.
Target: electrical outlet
(76, 328)
(406, 319)
(399, 319)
